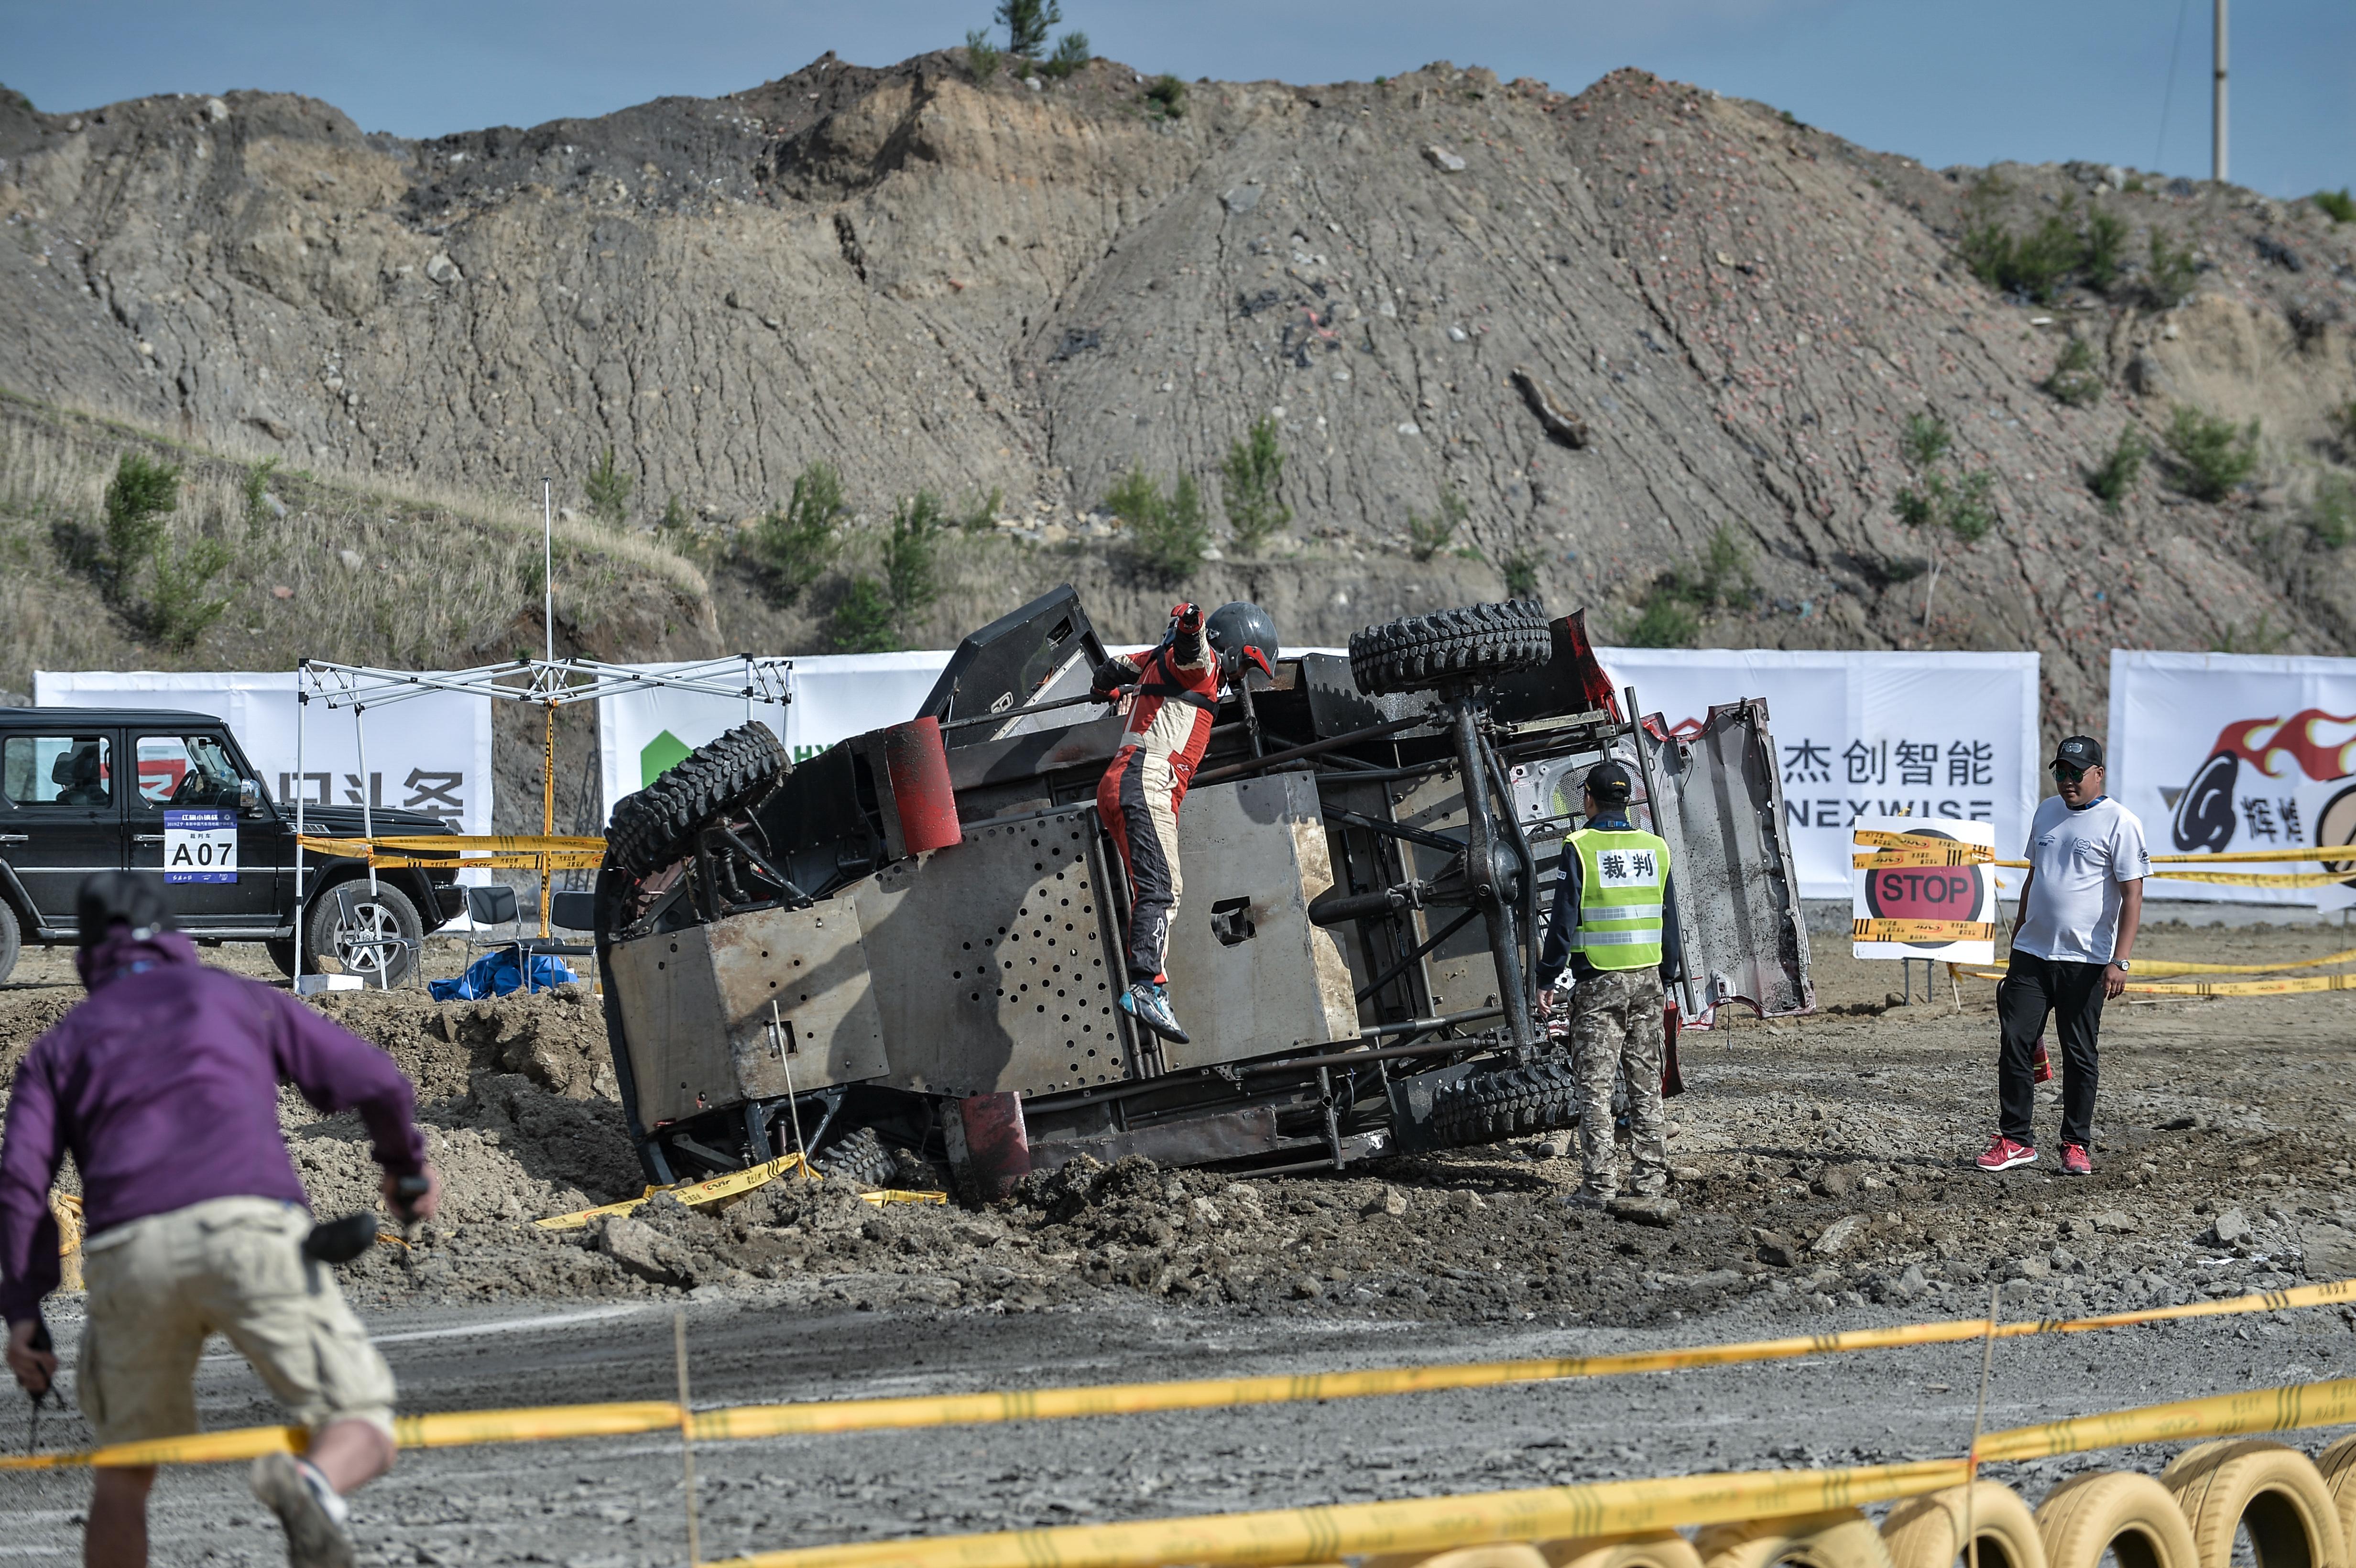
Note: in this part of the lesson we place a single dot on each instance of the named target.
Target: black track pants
(2072, 993)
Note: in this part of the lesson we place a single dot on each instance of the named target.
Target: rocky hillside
(1723, 322)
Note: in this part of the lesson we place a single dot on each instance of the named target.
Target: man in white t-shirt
(2071, 941)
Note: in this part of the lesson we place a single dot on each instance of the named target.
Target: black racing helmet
(1244, 637)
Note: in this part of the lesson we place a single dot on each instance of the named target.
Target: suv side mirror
(249, 796)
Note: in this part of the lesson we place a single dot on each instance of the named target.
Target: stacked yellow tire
(2300, 1514)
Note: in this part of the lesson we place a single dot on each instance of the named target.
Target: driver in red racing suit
(1176, 693)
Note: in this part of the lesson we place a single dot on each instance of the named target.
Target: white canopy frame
(551, 683)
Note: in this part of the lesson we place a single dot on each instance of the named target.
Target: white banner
(1861, 734)
(429, 753)
(835, 697)
(2219, 753)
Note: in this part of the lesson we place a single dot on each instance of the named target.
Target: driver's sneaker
(1149, 1005)
(315, 1516)
(2074, 1160)
(2003, 1154)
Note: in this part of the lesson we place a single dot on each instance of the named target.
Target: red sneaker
(2003, 1154)
(2075, 1161)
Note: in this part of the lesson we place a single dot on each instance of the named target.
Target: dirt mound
(973, 287)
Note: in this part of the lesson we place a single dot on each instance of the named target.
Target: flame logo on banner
(2204, 820)
(2295, 736)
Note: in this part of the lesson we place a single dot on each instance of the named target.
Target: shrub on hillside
(979, 57)
(861, 622)
(1252, 469)
(142, 491)
(795, 542)
(1427, 537)
(2074, 380)
(1167, 96)
(2211, 455)
(2116, 475)
(181, 608)
(1167, 536)
(607, 489)
(2168, 281)
(1071, 54)
(910, 566)
(2339, 203)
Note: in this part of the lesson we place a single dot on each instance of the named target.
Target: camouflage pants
(1615, 1023)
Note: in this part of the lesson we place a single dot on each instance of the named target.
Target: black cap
(109, 898)
(2080, 752)
(1609, 783)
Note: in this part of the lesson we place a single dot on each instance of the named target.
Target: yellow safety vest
(1623, 876)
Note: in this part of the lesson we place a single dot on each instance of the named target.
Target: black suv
(67, 808)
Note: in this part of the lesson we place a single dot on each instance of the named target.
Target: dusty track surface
(1834, 1142)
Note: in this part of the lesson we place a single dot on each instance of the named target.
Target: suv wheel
(386, 913)
(11, 942)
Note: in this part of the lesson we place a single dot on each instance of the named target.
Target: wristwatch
(2122, 965)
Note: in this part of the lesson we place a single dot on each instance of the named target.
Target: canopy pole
(367, 812)
(546, 809)
(301, 708)
(548, 565)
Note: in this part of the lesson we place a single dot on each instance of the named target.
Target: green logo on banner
(664, 752)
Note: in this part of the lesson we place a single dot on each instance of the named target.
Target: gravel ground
(1823, 1188)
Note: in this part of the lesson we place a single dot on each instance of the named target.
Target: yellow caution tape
(834, 1416)
(1412, 1524)
(2306, 982)
(2330, 853)
(1924, 930)
(692, 1193)
(1954, 854)
(1875, 838)
(2296, 986)
(487, 843)
(2163, 967)
(2218, 1416)
(901, 1195)
(2259, 878)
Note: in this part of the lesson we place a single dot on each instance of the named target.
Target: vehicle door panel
(189, 771)
(62, 817)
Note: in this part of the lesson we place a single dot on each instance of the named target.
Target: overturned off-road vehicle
(905, 953)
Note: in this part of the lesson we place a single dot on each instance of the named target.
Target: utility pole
(2217, 104)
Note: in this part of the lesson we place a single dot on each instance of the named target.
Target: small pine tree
(180, 610)
(911, 573)
(2117, 476)
(1252, 469)
(861, 621)
(2211, 456)
(608, 492)
(137, 498)
(1167, 536)
(2075, 380)
(1026, 23)
(795, 542)
(1071, 54)
(981, 58)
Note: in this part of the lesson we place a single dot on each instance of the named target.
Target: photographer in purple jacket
(163, 1084)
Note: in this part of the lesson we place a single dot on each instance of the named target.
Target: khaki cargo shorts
(232, 1266)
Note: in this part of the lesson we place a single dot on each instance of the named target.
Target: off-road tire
(320, 919)
(654, 827)
(12, 943)
(1489, 1107)
(1477, 642)
(860, 1159)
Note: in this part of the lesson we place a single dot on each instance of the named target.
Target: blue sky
(1942, 81)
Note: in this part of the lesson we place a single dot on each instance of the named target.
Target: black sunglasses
(2071, 771)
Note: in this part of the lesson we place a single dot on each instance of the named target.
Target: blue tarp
(497, 973)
